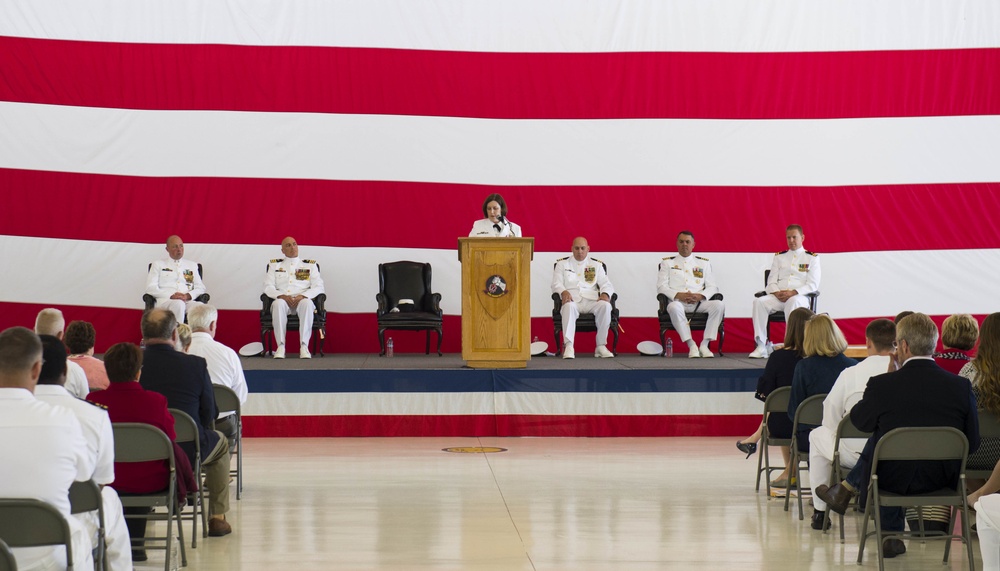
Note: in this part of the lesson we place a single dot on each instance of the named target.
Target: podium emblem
(496, 286)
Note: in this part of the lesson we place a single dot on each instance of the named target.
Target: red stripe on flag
(813, 85)
(431, 215)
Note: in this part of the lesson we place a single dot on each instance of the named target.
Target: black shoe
(748, 448)
(139, 555)
(817, 520)
(892, 548)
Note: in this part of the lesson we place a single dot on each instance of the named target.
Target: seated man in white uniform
(794, 273)
(585, 288)
(43, 450)
(50, 321)
(174, 281)
(292, 284)
(100, 446)
(846, 392)
(688, 283)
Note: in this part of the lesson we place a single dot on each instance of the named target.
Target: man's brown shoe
(217, 527)
(837, 497)
(892, 548)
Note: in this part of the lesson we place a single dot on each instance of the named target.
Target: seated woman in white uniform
(495, 224)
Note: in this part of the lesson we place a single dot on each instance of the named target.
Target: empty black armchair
(405, 301)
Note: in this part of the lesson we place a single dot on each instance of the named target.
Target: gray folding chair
(845, 429)
(187, 431)
(989, 427)
(776, 402)
(937, 443)
(34, 523)
(140, 442)
(809, 411)
(86, 497)
(227, 401)
(7, 561)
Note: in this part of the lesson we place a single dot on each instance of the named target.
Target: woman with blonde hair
(959, 334)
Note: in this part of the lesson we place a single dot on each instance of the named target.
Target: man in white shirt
(174, 281)
(42, 447)
(585, 288)
(292, 284)
(100, 446)
(224, 365)
(689, 284)
(50, 321)
(846, 392)
(794, 274)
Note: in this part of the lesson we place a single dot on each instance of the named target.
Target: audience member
(127, 401)
(689, 284)
(292, 284)
(99, 447)
(585, 288)
(778, 372)
(984, 373)
(846, 392)
(224, 365)
(173, 281)
(184, 336)
(80, 339)
(920, 393)
(42, 447)
(50, 321)
(795, 273)
(959, 333)
(184, 380)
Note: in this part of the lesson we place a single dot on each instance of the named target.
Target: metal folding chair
(187, 431)
(7, 561)
(777, 401)
(845, 429)
(34, 523)
(809, 411)
(86, 497)
(227, 401)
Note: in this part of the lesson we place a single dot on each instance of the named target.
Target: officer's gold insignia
(699, 273)
(188, 276)
(302, 274)
(589, 275)
(803, 267)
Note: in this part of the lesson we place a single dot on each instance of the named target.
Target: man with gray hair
(920, 393)
(224, 365)
(42, 447)
(50, 321)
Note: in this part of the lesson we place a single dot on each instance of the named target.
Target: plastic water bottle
(670, 349)
(388, 348)
(535, 340)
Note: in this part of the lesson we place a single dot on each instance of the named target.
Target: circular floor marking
(474, 449)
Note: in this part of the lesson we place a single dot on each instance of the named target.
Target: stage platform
(426, 395)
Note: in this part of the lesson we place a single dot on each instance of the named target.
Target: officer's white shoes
(759, 353)
(279, 353)
(304, 352)
(602, 352)
(568, 352)
(694, 353)
(705, 353)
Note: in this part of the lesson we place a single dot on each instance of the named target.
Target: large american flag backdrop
(372, 130)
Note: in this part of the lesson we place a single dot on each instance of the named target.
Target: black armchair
(319, 323)
(586, 321)
(408, 280)
(150, 301)
(697, 321)
(779, 316)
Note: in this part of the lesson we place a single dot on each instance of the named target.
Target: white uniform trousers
(821, 441)
(279, 315)
(178, 307)
(602, 316)
(119, 548)
(988, 523)
(714, 309)
(768, 304)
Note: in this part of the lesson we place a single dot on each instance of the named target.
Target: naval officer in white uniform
(688, 282)
(585, 288)
(174, 281)
(292, 284)
(495, 225)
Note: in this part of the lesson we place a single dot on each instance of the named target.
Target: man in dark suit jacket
(920, 393)
(184, 380)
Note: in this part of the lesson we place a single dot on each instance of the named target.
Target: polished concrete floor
(543, 504)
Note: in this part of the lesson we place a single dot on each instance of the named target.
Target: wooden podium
(496, 301)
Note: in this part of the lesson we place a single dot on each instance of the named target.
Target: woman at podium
(495, 224)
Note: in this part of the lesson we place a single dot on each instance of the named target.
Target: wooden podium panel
(496, 301)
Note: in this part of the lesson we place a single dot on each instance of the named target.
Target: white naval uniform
(846, 392)
(585, 281)
(76, 380)
(486, 229)
(792, 269)
(96, 425)
(43, 453)
(169, 276)
(293, 276)
(692, 274)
